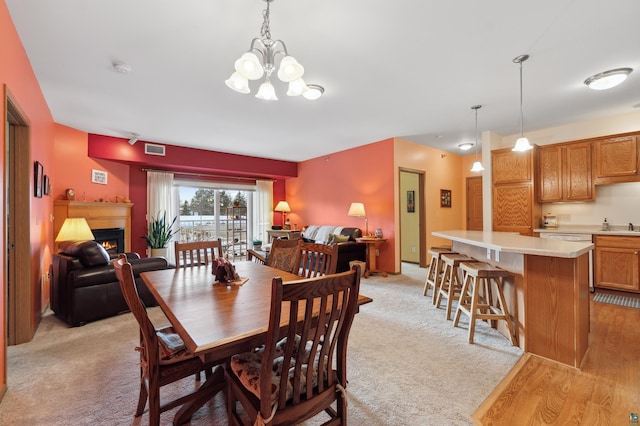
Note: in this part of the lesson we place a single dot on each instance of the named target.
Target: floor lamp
(357, 210)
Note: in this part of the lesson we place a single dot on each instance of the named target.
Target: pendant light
(477, 165)
(522, 144)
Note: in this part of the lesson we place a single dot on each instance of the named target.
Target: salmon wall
(326, 186)
(19, 82)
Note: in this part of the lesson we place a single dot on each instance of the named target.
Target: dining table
(217, 320)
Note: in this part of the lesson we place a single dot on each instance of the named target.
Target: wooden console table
(372, 245)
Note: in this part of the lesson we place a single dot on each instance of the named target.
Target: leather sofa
(348, 250)
(84, 286)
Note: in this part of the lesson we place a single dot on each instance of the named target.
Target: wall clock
(71, 194)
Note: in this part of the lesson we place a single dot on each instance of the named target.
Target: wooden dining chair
(197, 253)
(163, 357)
(293, 378)
(285, 255)
(317, 259)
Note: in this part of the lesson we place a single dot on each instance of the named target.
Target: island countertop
(514, 243)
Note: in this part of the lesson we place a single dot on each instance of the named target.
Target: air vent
(153, 149)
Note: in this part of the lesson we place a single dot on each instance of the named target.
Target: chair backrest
(197, 253)
(150, 353)
(320, 312)
(317, 259)
(285, 255)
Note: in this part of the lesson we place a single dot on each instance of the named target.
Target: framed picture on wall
(411, 203)
(38, 178)
(46, 186)
(445, 198)
(98, 176)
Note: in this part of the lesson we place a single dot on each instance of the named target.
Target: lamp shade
(75, 229)
(267, 92)
(522, 144)
(283, 206)
(238, 83)
(249, 66)
(357, 209)
(290, 69)
(477, 167)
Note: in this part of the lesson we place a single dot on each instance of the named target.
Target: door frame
(420, 210)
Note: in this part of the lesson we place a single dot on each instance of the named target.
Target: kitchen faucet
(630, 226)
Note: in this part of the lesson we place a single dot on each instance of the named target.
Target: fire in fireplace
(112, 239)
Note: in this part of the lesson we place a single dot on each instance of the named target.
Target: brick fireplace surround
(99, 215)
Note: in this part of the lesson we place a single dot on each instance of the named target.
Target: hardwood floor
(605, 391)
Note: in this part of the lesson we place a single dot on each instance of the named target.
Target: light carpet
(407, 365)
(615, 299)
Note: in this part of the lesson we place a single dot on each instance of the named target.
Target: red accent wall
(326, 186)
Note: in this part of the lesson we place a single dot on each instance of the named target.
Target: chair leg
(431, 276)
(154, 400)
(142, 399)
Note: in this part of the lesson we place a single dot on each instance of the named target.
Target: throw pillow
(335, 238)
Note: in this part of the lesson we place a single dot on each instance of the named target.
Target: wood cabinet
(616, 159)
(515, 205)
(565, 172)
(617, 262)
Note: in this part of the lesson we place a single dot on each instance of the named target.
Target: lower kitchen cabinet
(617, 262)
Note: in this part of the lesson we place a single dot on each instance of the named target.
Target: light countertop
(515, 243)
(591, 229)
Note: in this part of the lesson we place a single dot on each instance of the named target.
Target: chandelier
(522, 144)
(250, 67)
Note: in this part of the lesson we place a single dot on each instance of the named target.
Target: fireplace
(112, 239)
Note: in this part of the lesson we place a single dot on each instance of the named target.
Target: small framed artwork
(445, 198)
(411, 203)
(38, 177)
(98, 176)
(46, 186)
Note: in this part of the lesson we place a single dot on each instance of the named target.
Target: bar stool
(436, 267)
(450, 285)
(476, 298)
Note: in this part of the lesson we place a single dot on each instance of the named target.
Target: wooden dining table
(217, 320)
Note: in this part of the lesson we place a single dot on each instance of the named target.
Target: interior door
(474, 203)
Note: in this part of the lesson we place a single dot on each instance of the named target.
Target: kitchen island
(547, 292)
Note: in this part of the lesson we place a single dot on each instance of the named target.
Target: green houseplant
(160, 231)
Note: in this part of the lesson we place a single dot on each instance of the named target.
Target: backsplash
(619, 203)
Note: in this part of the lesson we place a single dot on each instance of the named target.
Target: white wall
(619, 203)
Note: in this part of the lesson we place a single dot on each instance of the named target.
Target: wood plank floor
(605, 391)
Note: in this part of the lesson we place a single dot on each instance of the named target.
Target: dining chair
(317, 259)
(293, 378)
(197, 253)
(285, 255)
(163, 356)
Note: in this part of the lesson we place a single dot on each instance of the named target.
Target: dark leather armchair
(84, 286)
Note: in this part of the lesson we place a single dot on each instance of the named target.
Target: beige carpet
(407, 365)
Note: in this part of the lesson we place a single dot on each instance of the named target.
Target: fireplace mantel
(99, 215)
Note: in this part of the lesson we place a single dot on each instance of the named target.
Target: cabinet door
(616, 159)
(551, 176)
(617, 268)
(578, 185)
(513, 208)
(511, 167)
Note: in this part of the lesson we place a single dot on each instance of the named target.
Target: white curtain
(262, 214)
(162, 197)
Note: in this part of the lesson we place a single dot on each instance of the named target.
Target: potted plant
(160, 233)
(257, 244)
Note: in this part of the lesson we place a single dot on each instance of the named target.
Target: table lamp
(284, 208)
(75, 229)
(357, 210)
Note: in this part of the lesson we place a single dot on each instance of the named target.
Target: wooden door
(550, 174)
(578, 184)
(616, 159)
(474, 203)
(617, 268)
(513, 208)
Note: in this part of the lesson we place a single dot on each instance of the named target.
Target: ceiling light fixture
(607, 79)
(134, 138)
(249, 67)
(522, 144)
(477, 165)
(465, 146)
(121, 67)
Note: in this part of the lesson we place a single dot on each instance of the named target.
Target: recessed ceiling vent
(153, 149)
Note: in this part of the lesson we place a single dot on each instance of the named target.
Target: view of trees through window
(204, 214)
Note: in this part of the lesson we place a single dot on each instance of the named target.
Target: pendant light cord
(521, 114)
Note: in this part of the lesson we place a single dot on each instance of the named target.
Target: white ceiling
(403, 68)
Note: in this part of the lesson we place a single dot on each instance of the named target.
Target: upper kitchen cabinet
(515, 205)
(616, 159)
(566, 172)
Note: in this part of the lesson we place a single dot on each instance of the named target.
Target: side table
(372, 244)
(288, 233)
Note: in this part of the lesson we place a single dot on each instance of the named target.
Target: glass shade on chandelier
(260, 61)
(522, 144)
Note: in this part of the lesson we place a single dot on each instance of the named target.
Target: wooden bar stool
(436, 267)
(450, 284)
(476, 296)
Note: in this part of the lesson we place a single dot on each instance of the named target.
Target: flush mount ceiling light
(121, 67)
(522, 144)
(607, 79)
(477, 165)
(313, 91)
(465, 146)
(249, 67)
